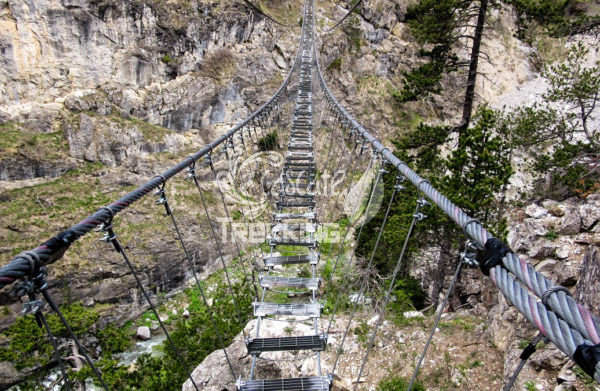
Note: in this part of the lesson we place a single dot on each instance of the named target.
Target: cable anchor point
(469, 255)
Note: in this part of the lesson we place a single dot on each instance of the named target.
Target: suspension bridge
(292, 242)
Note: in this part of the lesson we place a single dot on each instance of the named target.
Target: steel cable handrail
(572, 321)
(53, 249)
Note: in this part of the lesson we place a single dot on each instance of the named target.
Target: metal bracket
(32, 307)
(162, 200)
(469, 256)
(419, 216)
(107, 228)
(399, 180)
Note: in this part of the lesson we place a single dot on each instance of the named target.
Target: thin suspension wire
(260, 12)
(435, 324)
(263, 219)
(112, 238)
(341, 247)
(55, 308)
(349, 263)
(191, 266)
(214, 234)
(65, 377)
(231, 228)
(532, 345)
(348, 163)
(368, 271)
(345, 17)
(390, 289)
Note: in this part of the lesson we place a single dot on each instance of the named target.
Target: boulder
(590, 214)
(549, 358)
(535, 211)
(143, 333)
(8, 374)
(571, 223)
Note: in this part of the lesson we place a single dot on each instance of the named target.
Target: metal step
(278, 241)
(300, 169)
(298, 177)
(292, 156)
(303, 227)
(311, 259)
(297, 309)
(315, 383)
(295, 204)
(288, 216)
(303, 164)
(300, 147)
(256, 346)
(296, 195)
(270, 282)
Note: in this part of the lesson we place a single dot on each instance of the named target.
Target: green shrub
(336, 64)
(397, 383)
(114, 339)
(269, 142)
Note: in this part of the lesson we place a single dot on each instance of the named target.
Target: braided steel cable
(570, 312)
(54, 248)
(558, 300)
(111, 237)
(553, 327)
(527, 352)
(222, 258)
(216, 181)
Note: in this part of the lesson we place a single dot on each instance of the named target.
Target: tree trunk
(472, 77)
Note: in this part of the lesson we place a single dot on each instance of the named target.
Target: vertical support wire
(40, 315)
(55, 308)
(346, 236)
(257, 195)
(435, 324)
(169, 212)
(416, 217)
(220, 253)
(239, 251)
(346, 273)
(111, 237)
(368, 271)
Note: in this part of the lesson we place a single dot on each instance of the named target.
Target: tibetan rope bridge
(550, 308)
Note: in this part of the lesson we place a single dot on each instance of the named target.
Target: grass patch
(335, 65)
(16, 139)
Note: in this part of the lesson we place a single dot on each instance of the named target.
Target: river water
(126, 358)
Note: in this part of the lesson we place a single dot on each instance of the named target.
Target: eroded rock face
(86, 68)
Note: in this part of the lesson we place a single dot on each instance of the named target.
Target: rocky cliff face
(181, 66)
(98, 96)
